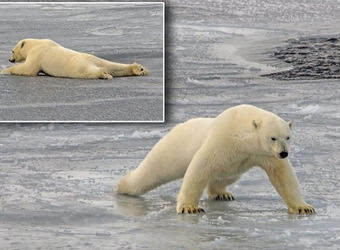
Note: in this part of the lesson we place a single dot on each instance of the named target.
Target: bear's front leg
(283, 178)
(5, 71)
(22, 69)
(195, 180)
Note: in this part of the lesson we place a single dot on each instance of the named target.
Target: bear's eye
(13, 51)
(288, 138)
(141, 69)
(273, 139)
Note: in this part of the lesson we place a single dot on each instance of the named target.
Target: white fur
(44, 55)
(214, 153)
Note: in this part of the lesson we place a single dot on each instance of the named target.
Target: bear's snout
(11, 60)
(283, 154)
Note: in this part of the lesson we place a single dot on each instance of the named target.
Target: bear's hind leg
(94, 72)
(222, 196)
(139, 181)
(217, 190)
(105, 75)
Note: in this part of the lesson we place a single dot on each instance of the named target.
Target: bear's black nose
(12, 61)
(283, 154)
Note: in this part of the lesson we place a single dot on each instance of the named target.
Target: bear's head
(138, 70)
(19, 52)
(274, 136)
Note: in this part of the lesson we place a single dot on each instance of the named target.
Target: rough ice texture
(311, 57)
(56, 181)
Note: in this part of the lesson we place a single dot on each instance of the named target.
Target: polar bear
(214, 153)
(47, 56)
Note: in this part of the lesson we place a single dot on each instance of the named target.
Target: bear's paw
(225, 196)
(139, 70)
(302, 209)
(5, 72)
(106, 76)
(190, 209)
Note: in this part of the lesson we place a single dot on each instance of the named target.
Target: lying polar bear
(47, 56)
(214, 153)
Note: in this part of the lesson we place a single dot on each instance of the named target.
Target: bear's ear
(290, 124)
(22, 44)
(256, 124)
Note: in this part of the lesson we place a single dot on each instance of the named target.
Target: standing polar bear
(47, 56)
(214, 153)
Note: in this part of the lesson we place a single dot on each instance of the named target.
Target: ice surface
(57, 181)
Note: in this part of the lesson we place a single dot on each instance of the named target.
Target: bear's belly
(60, 62)
(234, 170)
(56, 68)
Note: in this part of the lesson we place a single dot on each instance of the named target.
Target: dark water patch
(311, 58)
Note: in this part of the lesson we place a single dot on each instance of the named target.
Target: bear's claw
(222, 197)
(307, 210)
(304, 209)
(191, 210)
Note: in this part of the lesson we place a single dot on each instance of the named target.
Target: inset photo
(82, 62)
